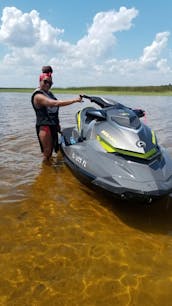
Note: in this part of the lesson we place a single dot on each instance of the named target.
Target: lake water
(63, 244)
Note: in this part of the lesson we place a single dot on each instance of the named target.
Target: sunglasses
(48, 82)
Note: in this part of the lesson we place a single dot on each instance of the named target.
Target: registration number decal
(79, 160)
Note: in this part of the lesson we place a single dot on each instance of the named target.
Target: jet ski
(113, 149)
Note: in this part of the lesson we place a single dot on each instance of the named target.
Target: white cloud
(151, 53)
(100, 35)
(32, 42)
(23, 30)
(163, 66)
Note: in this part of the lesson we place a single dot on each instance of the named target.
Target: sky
(87, 43)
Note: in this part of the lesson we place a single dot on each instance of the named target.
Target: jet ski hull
(124, 178)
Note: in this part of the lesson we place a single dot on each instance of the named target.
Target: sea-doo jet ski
(112, 148)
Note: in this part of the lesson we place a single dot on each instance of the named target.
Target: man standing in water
(46, 107)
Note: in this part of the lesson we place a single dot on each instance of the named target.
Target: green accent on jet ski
(110, 149)
(79, 120)
(105, 145)
(153, 137)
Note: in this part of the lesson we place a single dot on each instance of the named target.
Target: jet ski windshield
(124, 117)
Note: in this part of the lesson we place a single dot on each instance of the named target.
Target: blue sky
(88, 43)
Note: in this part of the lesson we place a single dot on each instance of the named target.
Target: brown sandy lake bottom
(62, 243)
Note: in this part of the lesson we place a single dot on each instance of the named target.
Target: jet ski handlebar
(85, 96)
(99, 101)
(91, 98)
(107, 103)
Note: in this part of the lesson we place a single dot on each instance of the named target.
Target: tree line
(161, 88)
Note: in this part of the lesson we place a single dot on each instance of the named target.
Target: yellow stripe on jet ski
(153, 137)
(105, 145)
(111, 149)
(79, 120)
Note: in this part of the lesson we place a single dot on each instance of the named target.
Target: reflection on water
(63, 244)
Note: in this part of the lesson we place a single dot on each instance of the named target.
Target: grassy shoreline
(144, 91)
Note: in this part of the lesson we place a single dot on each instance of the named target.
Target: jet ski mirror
(139, 112)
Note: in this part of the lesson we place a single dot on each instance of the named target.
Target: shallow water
(63, 244)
